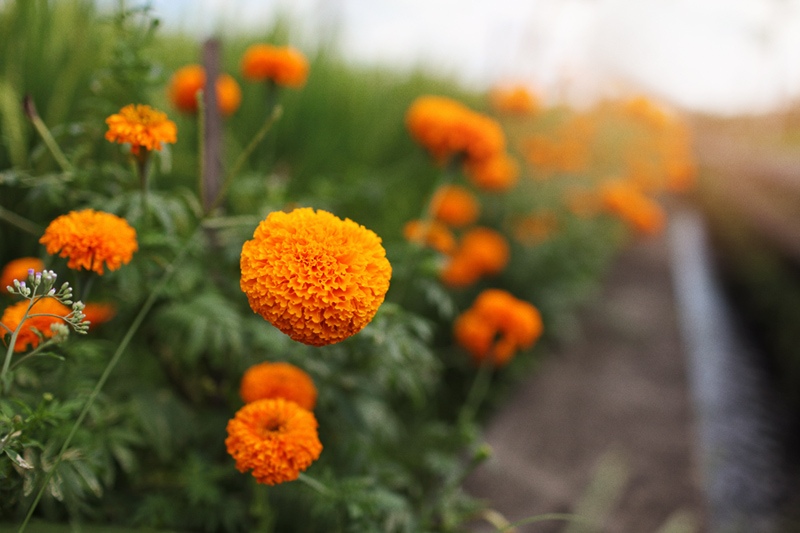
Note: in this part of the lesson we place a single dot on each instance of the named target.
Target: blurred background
(716, 56)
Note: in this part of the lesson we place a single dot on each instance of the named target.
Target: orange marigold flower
(278, 380)
(482, 252)
(448, 128)
(629, 203)
(141, 126)
(12, 317)
(513, 100)
(282, 64)
(189, 79)
(315, 277)
(498, 173)
(18, 269)
(99, 313)
(91, 239)
(497, 326)
(454, 205)
(275, 438)
(433, 234)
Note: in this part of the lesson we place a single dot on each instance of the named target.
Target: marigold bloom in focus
(18, 269)
(432, 233)
(278, 380)
(99, 313)
(188, 80)
(498, 173)
(282, 64)
(630, 204)
(448, 128)
(12, 317)
(513, 100)
(141, 126)
(455, 206)
(91, 239)
(275, 438)
(315, 277)
(497, 326)
(482, 252)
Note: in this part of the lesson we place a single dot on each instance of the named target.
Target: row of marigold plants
(511, 182)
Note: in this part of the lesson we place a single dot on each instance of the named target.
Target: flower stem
(22, 223)
(123, 345)
(4, 378)
(314, 484)
(143, 171)
(273, 117)
(47, 137)
(477, 393)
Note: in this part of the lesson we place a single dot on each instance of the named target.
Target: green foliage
(398, 440)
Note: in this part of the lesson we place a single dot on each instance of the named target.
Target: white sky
(723, 56)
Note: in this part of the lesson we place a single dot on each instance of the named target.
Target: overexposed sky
(724, 56)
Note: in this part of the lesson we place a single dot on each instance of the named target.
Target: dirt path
(620, 389)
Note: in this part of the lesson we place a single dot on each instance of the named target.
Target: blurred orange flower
(630, 204)
(455, 206)
(498, 173)
(432, 233)
(99, 313)
(275, 438)
(497, 326)
(516, 99)
(447, 128)
(535, 228)
(278, 380)
(91, 239)
(142, 127)
(282, 64)
(18, 269)
(482, 252)
(188, 80)
(12, 317)
(315, 277)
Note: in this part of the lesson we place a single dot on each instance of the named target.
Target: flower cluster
(282, 65)
(188, 80)
(315, 277)
(497, 326)
(567, 150)
(18, 269)
(275, 438)
(37, 325)
(91, 240)
(447, 128)
(481, 252)
(278, 380)
(44, 311)
(142, 127)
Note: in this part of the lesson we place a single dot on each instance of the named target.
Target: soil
(617, 396)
